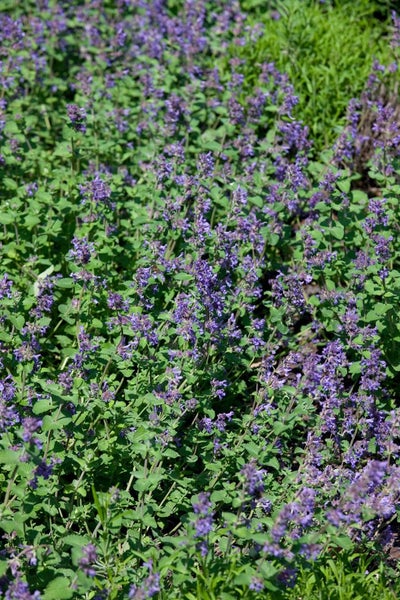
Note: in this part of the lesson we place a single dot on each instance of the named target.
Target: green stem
(9, 488)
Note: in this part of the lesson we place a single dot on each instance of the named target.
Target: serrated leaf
(58, 589)
(52, 424)
(218, 496)
(63, 150)
(343, 542)
(344, 185)
(148, 482)
(42, 406)
(18, 321)
(337, 231)
(6, 218)
(358, 196)
(273, 463)
(279, 427)
(9, 184)
(9, 457)
(76, 540)
(31, 221)
(257, 200)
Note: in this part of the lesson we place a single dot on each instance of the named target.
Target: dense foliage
(326, 48)
(199, 342)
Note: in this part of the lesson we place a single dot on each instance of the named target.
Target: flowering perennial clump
(199, 340)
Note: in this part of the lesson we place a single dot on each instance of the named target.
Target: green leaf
(219, 496)
(9, 457)
(279, 427)
(274, 463)
(236, 502)
(243, 533)
(9, 184)
(381, 309)
(359, 197)
(18, 321)
(16, 524)
(31, 221)
(257, 200)
(243, 579)
(337, 231)
(344, 185)
(65, 282)
(3, 567)
(355, 368)
(343, 542)
(44, 197)
(273, 239)
(101, 511)
(63, 150)
(6, 218)
(42, 406)
(77, 541)
(50, 423)
(183, 276)
(147, 483)
(330, 285)
(58, 589)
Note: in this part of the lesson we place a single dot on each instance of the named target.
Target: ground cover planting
(199, 290)
(326, 48)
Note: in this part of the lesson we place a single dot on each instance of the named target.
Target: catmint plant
(199, 342)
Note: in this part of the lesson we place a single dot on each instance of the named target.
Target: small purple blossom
(96, 190)
(206, 164)
(395, 41)
(116, 302)
(218, 388)
(373, 371)
(5, 287)
(30, 425)
(149, 587)
(82, 250)
(19, 590)
(77, 117)
(31, 189)
(254, 478)
(88, 559)
(203, 526)
(288, 577)
(8, 412)
(256, 584)
(44, 470)
(86, 346)
(204, 520)
(221, 420)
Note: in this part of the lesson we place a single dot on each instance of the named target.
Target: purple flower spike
(204, 520)
(89, 557)
(19, 590)
(254, 478)
(150, 586)
(77, 117)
